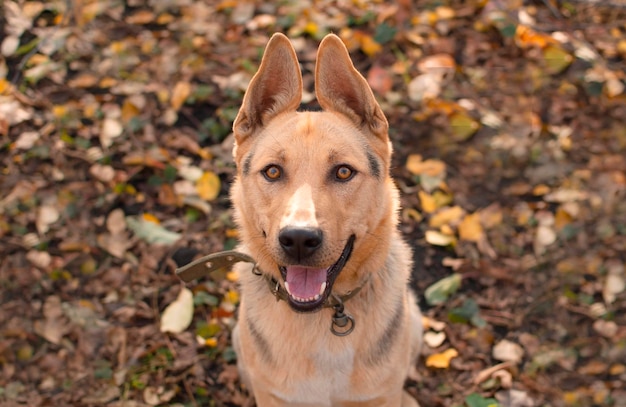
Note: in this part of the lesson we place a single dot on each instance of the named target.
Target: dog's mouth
(308, 288)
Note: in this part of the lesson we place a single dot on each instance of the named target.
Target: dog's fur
(323, 174)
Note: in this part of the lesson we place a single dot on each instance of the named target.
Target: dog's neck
(342, 324)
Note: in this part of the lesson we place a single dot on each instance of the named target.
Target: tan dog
(326, 316)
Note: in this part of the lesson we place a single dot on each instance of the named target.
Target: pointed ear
(275, 88)
(341, 88)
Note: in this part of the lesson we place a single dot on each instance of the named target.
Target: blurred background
(508, 119)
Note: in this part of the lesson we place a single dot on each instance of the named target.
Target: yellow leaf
(442, 360)
(446, 216)
(442, 198)
(431, 167)
(562, 218)
(312, 29)
(181, 92)
(150, 218)
(4, 86)
(232, 276)
(556, 59)
(525, 37)
(129, 111)
(59, 111)
(231, 233)
(369, 46)
(570, 397)
(210, 342)
(208, 186)
(463, 126)
(438, 239)
(470, 228)
(231, 296)
(428, 202)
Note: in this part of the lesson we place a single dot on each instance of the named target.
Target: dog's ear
(341, 88)
(275, 88)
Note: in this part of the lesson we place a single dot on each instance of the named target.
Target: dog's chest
(332, 375)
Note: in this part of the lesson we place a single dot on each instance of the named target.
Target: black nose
(300, 243)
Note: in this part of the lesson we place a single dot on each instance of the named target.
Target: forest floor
(508, 120)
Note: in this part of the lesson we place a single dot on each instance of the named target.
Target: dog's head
(313, 198)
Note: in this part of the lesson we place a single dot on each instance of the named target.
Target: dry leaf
(39, 259)
(116, 222)
(470, 228)
(46, 215)
(111, 129)
(432, 167)
(507, 351)
(446, 216)
(436, 64)
(181, 92)
(438, 239)
(441, 360)
(463, 126)
(428, 203)
(178, 315)
(104, 173)
(208, 186)
(379, 80)
(434, 339)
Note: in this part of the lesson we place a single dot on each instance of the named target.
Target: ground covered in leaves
(509, 124)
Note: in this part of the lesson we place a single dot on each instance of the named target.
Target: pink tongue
(305, 282)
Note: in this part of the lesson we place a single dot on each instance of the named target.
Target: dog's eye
(272, 173)
(344, 173)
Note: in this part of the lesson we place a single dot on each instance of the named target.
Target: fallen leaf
(46, 216)
(556, 59)
(470, 228)
(114, 244)
(155, 396)
(463, 126)
(437, 63)
(379, 80)
(615, 282)
(476, 400)
(434, 339)
(26, 140)
(116, 222)
(208, 186)
(39, 259)
(181, 92)
(428, 203)
(111, 129)
(446, 216)
(544, 237)
(178, 315)
(425, 87)
(507, 351)
(515, 398)
(439, 292)
(151, 232)
(441, 360)
(104, 173)
(438, 239)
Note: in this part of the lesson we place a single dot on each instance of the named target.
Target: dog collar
(342, 325)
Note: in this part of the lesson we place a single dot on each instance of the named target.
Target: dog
(326, 315)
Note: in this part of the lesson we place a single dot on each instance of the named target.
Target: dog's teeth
(287, 288)
(322, 288)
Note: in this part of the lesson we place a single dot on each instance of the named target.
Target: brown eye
(344, 173)
(272, 173)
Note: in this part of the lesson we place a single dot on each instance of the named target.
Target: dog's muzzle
(308, 288)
